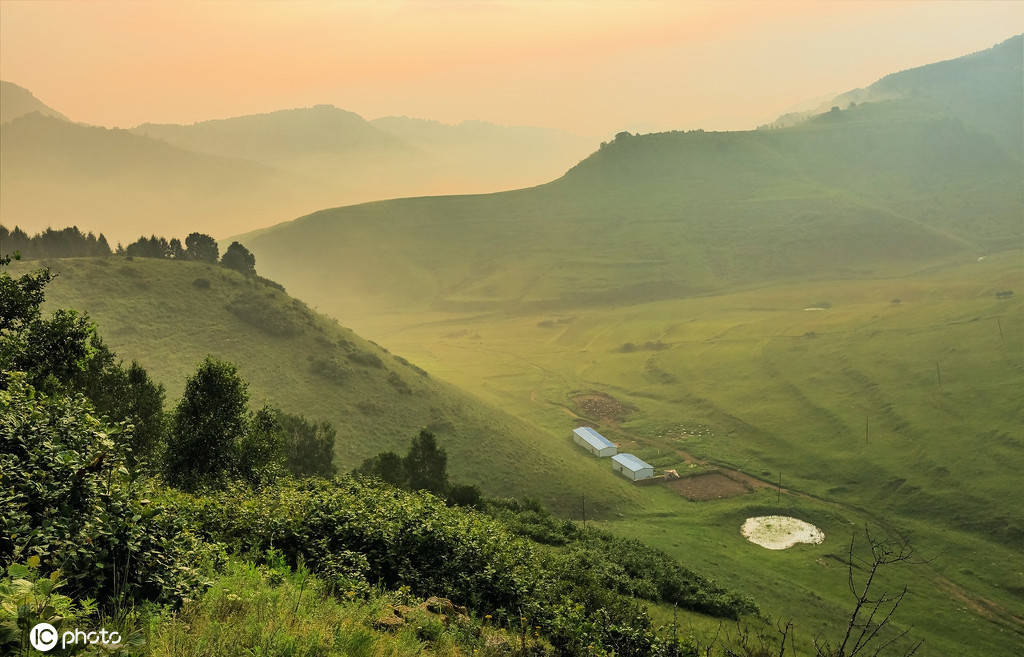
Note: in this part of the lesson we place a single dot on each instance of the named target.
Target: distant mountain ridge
(253, 171)
(17, 101)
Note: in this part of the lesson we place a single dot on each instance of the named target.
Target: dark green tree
(239, 258)
(308, 446)
(426, 464)
(208, 425)
(202, 248)
(125, 394)
(259, 455)
(177, 251)
(386, 466)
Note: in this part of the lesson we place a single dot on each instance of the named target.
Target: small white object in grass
(780, 532)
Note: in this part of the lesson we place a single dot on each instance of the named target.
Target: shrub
(330, 369)
(201, 284)
(366, 358)
(264, 314)
(69, 503)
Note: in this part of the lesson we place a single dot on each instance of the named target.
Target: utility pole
(584, 511)
(778, 499)
(1000, 325)
(938, 373)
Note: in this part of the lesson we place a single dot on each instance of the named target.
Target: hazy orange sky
(591, 67)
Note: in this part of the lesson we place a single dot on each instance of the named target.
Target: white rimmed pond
(780, 532)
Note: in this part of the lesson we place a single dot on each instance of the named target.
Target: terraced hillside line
(987, 609)
(879, 404)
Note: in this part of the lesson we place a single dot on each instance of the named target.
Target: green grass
(751, 380)
(154, 312)
(254, 610)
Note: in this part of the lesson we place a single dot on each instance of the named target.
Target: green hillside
(984, 90)
(876, 188)
(170, 315)
(669, 215)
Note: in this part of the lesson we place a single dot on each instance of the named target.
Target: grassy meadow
(835, 385)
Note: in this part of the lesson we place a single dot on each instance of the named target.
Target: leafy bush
(26, 598)
(201, 284)
(308, 446)
(366, 358)
(68, 501)
(329, 369)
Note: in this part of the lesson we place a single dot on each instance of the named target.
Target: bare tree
(866, 629)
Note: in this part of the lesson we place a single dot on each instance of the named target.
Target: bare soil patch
(602, 406)
(711, 486)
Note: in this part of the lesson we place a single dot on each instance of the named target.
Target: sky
(591, 67)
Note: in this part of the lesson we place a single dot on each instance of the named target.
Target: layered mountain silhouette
(913, 173)
(233, 175)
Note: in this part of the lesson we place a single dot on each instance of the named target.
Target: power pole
(584, 511)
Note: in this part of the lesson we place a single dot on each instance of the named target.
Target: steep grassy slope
(833, 384)
(984, 90)
(162, 314)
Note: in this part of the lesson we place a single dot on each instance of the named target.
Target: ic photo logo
(44, 637)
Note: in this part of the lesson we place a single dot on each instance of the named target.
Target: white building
(593, 442)
(631, 467)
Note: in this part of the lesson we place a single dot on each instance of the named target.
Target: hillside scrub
(122, 538)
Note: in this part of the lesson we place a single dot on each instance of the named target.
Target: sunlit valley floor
(893, 403)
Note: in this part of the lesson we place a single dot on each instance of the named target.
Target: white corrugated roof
(632, 463)
(593, 438)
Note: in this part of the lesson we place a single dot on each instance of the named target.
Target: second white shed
(631, 467)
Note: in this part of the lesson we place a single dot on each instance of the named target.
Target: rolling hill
(170, 315)
(878, 187)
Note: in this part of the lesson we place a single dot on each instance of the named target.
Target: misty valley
(302, 383)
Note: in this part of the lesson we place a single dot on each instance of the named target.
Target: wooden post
(778, 499)
(1000, 325)
(584, 511)
(938, 373)
(865, 429)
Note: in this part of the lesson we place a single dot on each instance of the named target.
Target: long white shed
(593, 442)
(631, 467)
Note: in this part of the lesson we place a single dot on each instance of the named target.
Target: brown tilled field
(711, 486)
